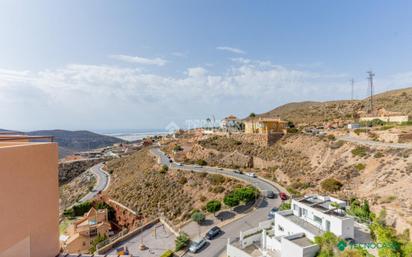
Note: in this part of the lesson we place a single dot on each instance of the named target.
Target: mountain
(306, 112)
(76, 141)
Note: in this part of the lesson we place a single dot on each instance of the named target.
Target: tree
(177, 148)
(213, 206)
(96, 241)
(331, 185)
(252, 115)
(198, 217)
(231, 200)
(164, 169)
(327, 243)
(181, 241)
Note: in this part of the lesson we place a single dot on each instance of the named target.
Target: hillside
(308, 112)
(302, 162)
(76, 141)
(139, 183)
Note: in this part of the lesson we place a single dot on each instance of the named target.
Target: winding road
(102, 182)
(374, 143)
(231, 230)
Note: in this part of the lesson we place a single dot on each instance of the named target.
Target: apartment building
(29, 196)
(291, 232)
(82, 232)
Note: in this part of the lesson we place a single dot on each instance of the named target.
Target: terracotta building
(264, 125)
(29, 197)
(83, 231)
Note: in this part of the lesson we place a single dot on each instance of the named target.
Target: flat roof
(302, 241)
(322, 205)
(302, 223)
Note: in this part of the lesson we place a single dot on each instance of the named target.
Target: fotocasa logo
(372, 245)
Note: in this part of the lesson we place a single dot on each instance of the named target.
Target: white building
(291, 232)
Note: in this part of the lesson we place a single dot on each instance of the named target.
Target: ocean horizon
(133, 135)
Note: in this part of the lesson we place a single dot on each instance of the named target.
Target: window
(305, 212)
(317, 219)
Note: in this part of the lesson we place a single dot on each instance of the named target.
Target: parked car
(237, 171)
(283, 196)
(270, 216)
(251, 174)
(270, 194)
(273, 210)
(197, 245)
(213, 232)
(198, 166)
(179, 164)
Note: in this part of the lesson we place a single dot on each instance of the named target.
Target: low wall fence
(105, 246)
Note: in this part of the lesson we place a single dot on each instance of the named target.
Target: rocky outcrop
(70, 170)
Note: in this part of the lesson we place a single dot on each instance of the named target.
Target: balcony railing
(4, 137)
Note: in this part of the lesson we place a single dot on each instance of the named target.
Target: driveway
(374, 143)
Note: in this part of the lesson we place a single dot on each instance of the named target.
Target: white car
(179, 164)
(197, 245)
(251, 174)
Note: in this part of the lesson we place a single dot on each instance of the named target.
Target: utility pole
(370, 78)
(352, 82)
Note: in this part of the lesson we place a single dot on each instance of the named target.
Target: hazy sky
(143, 64)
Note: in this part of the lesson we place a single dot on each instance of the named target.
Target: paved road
(232, 230)
(102, 181)
(374, 143)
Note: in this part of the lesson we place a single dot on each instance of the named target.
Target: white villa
(291, 232)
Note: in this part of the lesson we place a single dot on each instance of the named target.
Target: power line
(370, 78)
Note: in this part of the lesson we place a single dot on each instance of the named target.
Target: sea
(133, 135)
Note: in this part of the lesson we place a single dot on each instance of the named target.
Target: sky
(110, 65)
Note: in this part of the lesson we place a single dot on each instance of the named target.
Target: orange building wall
(29, 200)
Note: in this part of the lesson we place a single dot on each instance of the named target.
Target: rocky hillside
(140, 183)
(302, 163)
(309, 112)
(76, 141)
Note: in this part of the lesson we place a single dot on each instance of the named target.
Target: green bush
(201, 162)
(96, 241)
(379, 155)
(292, 130)
(177, 148)
(337, 144)
(230, 200)
(241, 194)
(327, 244)
(216, 179)
(167, 253)
(164, 169)
(182, 180)
(360, 210)
(218, 189)
(293, 191)
(285, 206)
(198, 216)
(213, 206)
(80, 209)
(331, 185)
(360, 130)
(360, 151)
(181, 241)
(331, 137)
(360, 166)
